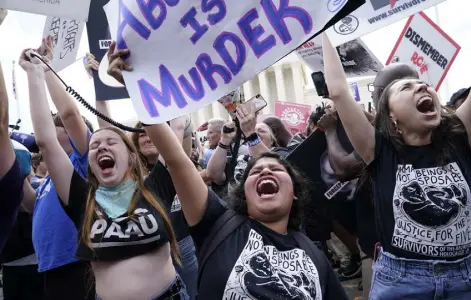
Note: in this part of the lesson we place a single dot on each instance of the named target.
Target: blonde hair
(137, 175)
(218, 123)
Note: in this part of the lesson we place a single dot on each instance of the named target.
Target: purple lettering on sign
(220, 46)
(195, 92)
(190, 19)
(335, 5)
(147, 9)
(208, 5)
(172, 3)
(207, 68)
(127, 18)
(355, 91)
(170, 89)
(277, 18)
(252, 34)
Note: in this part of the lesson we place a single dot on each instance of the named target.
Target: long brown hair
(135, 141)
(449, 127)
(137, 175)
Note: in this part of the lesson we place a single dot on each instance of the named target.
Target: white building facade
(287, 80)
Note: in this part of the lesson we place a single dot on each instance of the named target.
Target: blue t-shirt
(207, 153)
(54, 234)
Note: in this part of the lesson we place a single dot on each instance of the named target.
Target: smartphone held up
(320, 84)
(233, 100)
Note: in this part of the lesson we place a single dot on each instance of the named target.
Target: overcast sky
(23, 30)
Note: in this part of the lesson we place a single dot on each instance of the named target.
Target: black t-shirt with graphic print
(119, 238)
(422, 207)
(163, 187)
(255, 262)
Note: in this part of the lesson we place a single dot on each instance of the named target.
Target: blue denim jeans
(410, 279)
(175, 291)
(189, 269)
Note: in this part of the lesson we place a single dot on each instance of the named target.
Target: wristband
(221, 145)
(252, 137)
(252, 143)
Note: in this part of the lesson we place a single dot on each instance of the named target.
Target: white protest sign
(72, 9)
(427, 47)
(356, 57)
(190, 53)
(67, 34)
(373, 15)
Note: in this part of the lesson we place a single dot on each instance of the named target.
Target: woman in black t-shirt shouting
(125, 231)
(257, 251)
(264, 256)
(419, 160)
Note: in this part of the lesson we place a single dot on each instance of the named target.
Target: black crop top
(119, 238)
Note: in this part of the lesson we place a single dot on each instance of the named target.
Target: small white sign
(335, 189)
(427, 47)
(72, 9)
(373, 15)
(187, 54)
(356, 57)
(67, 34)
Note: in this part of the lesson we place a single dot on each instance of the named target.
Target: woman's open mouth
(425, 105)
(267, 187)
(106, 164)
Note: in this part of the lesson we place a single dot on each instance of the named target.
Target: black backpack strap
(224, 226)
(306, 243)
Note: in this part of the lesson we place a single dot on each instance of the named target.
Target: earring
(397, 128)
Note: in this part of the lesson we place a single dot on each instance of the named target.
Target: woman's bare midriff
(136, 278)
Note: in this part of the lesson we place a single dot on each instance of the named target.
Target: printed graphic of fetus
(263, 282)
(328, 176)
(433, 206)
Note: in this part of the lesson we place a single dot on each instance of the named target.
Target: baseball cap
(462, 93)
(27, 140)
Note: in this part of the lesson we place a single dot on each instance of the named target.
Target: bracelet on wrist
(222, 146)
(252, 143)
(251, 137)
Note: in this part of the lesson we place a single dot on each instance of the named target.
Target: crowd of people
(158, 214)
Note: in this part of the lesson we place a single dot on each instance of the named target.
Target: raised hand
(91, 64)
(117, 63)
(30, 63)
(328, 120)
(226, 138)
(46, 50)
(247, 118)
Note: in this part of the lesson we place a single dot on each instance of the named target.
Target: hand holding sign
(225, 43)
(117, 63)
(90, 63)
(46, 50)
